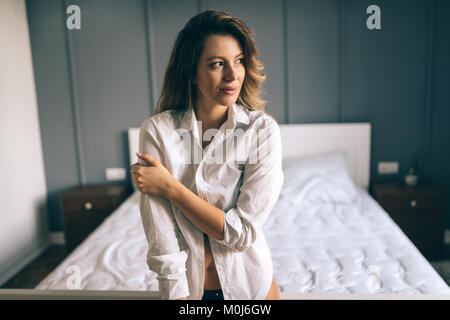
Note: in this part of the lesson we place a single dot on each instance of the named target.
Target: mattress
(325, 234)
(317, 245)
(352, 247)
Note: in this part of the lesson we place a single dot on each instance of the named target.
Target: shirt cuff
(173, 287)
(236, 234)
(171, 274)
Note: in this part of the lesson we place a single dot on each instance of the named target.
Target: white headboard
(133, 144)
(353, 138)
(307, 139)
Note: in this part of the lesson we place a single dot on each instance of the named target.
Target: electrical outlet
(115, 174)
(388, 167)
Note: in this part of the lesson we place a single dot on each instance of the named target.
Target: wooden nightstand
(418, 210)
(85, 207)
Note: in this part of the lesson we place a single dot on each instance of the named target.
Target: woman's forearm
(204, 215)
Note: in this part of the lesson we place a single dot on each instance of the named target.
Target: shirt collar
(236, 114)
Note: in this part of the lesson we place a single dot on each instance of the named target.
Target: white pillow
(321, 177)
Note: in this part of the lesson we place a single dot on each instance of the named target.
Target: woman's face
(220, 71)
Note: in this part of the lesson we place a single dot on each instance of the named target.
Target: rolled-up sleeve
(262, 182)
(167, 249)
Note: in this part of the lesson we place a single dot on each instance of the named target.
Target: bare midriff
(211, 278)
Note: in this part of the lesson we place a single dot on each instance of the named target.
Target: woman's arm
(167, 249)
(262, 182)
(204, 215)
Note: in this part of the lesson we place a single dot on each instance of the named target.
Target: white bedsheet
(323, 247)
(317, 245)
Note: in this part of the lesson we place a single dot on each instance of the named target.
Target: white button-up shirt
(241, 174)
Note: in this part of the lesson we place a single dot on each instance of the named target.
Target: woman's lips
(229, 91)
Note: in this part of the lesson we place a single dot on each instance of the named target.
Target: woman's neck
(212, 117)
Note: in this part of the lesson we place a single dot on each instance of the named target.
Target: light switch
(388, 167)
(115, 174)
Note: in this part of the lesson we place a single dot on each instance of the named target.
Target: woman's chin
(227, 101)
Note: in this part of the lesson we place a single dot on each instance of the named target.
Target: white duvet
(325, 236)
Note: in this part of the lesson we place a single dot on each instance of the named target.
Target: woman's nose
(230, 73)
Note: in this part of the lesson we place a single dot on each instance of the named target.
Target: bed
(327, 235)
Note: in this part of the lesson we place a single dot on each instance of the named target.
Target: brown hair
(178, 91)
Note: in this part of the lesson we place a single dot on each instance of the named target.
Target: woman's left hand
(154, 179)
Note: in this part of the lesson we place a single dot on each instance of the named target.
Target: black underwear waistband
(213, 295)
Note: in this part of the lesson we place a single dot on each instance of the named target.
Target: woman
(203, 217)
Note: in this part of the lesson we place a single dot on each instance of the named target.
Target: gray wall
(323, 65)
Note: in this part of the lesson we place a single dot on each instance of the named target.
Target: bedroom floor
(31, 275)
(37, 270)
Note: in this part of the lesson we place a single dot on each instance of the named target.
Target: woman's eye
(216, 64)
(241, 61)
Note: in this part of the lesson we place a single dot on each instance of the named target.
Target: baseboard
(25, 258)
(57, 238)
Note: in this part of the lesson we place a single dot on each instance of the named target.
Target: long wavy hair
(178, 90)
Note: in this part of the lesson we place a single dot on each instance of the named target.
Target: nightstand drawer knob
(88, 205)
(413, 203)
